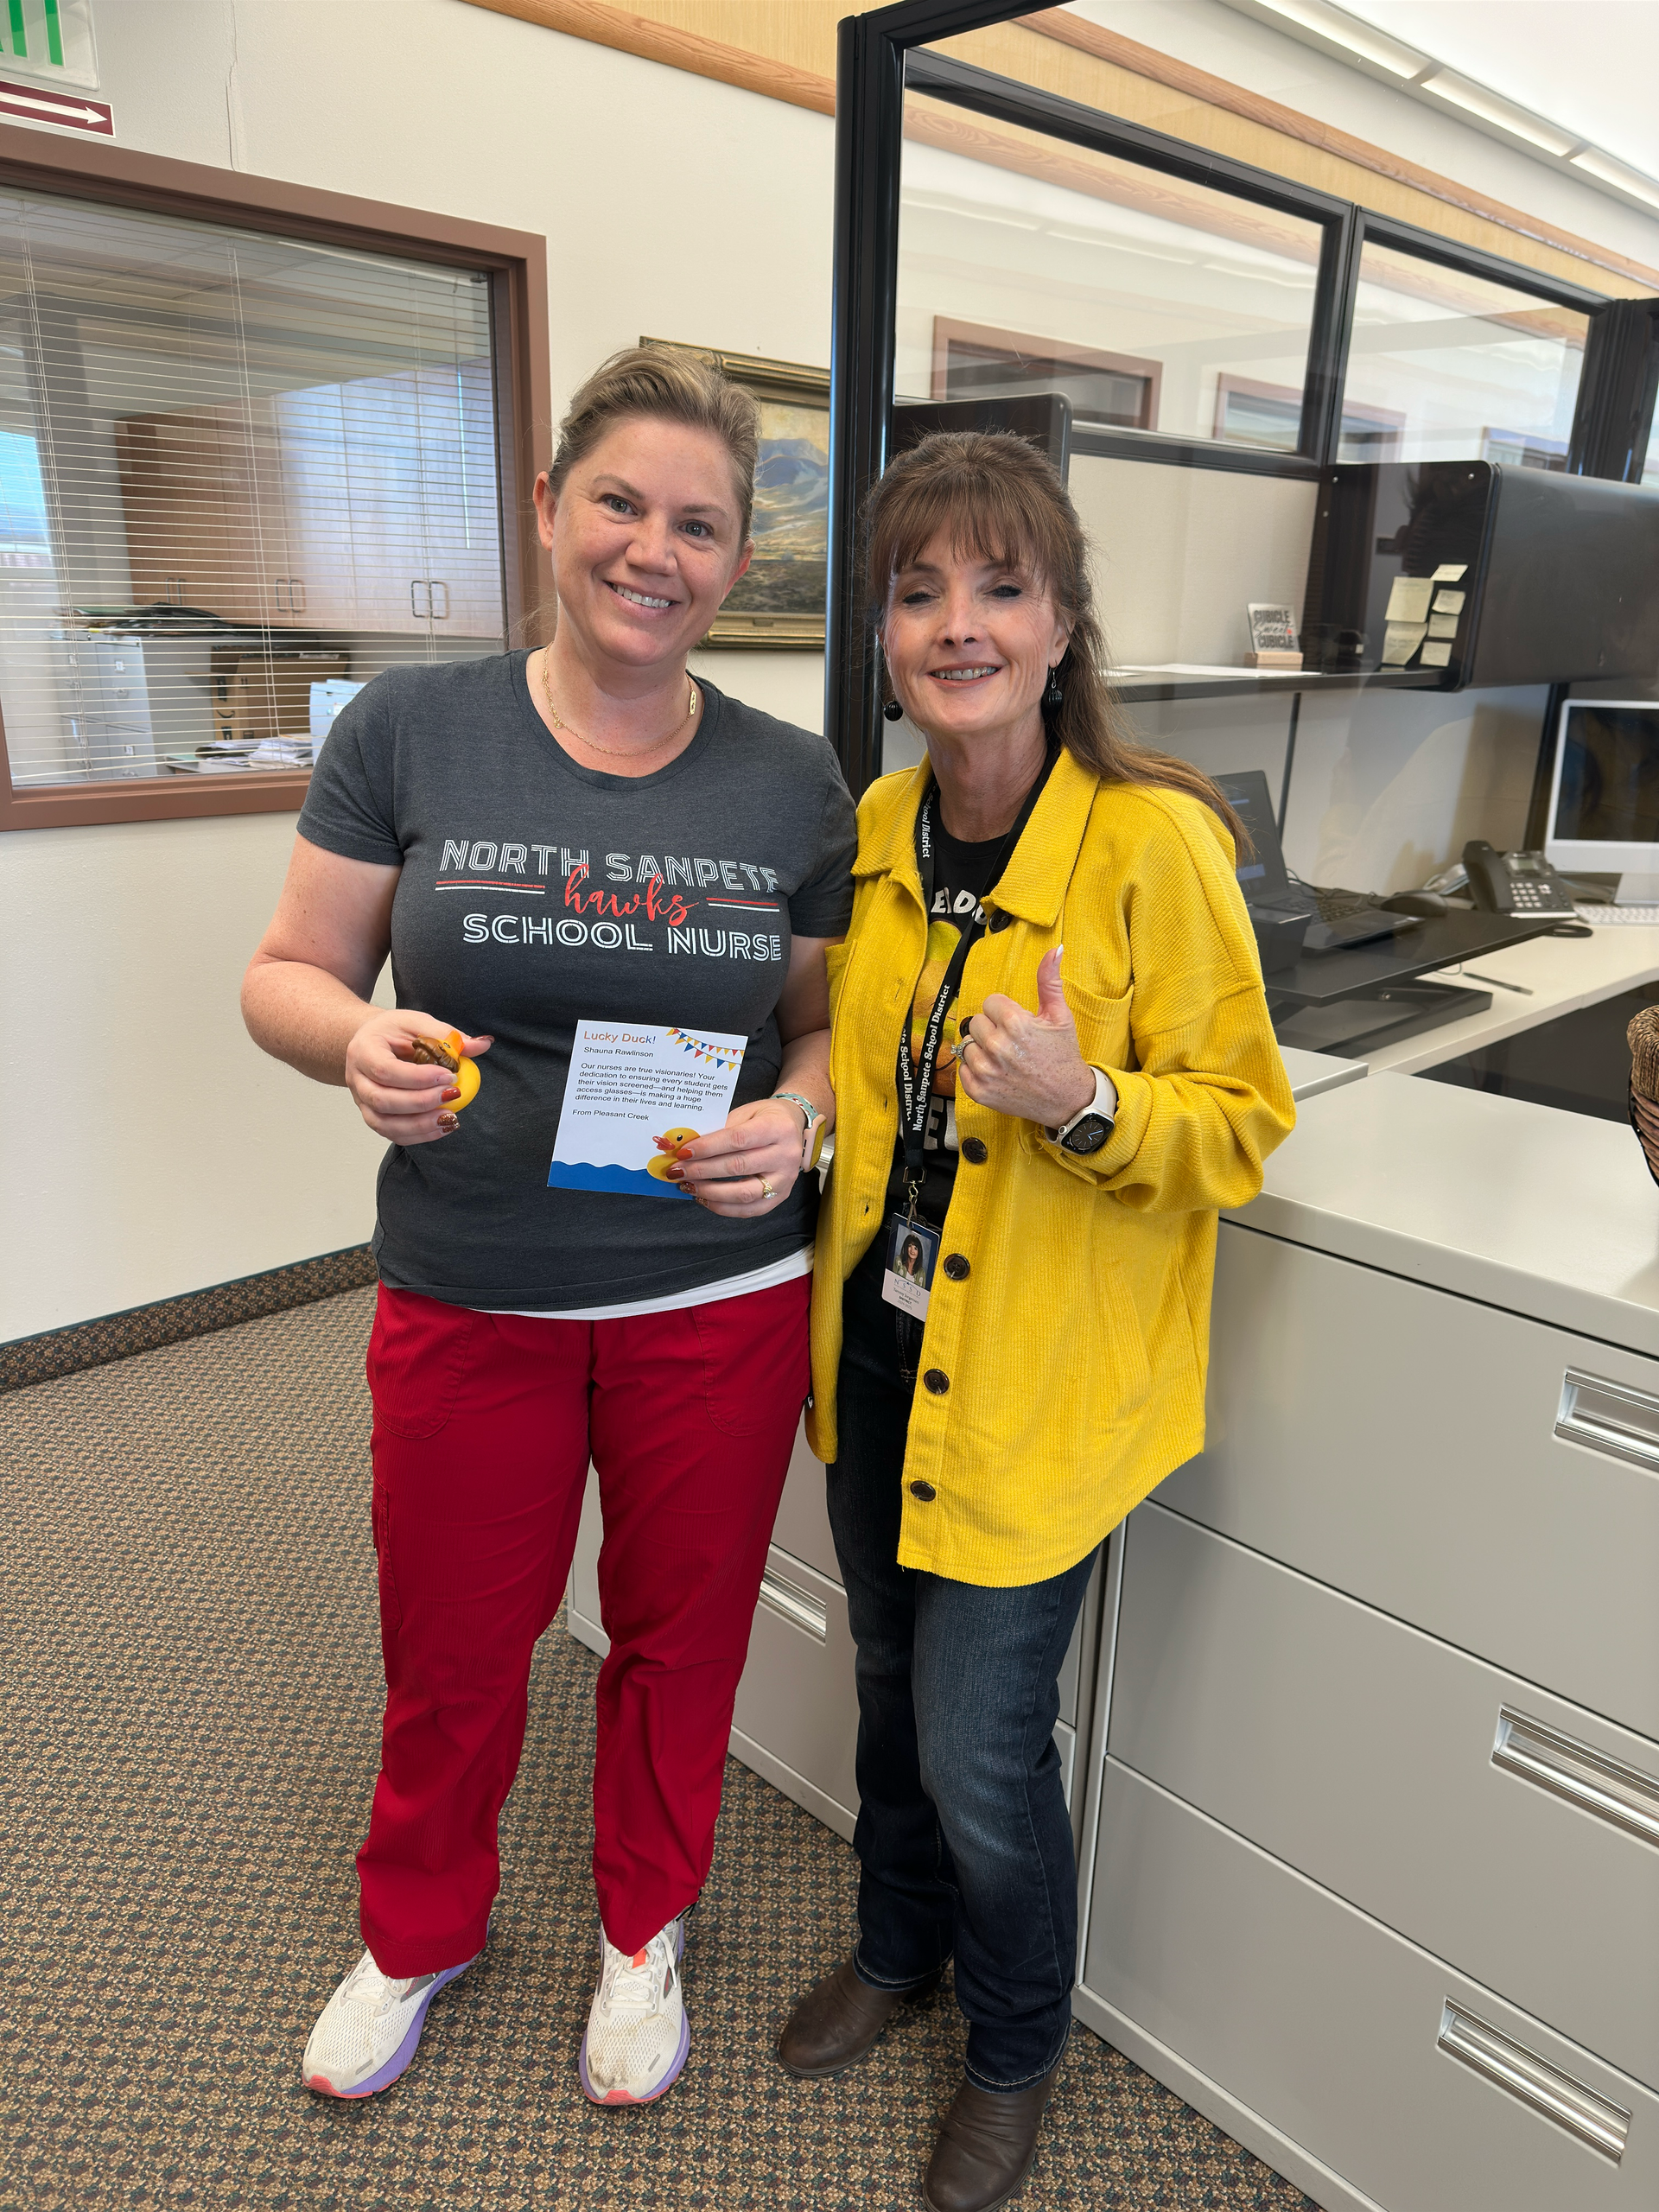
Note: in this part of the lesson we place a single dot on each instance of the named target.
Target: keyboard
(1604, 916)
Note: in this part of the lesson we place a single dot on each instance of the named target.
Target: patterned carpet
(191, 1701)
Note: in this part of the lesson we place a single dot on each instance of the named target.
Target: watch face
(1087, 1135)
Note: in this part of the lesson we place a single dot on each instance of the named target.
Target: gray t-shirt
(536, 894)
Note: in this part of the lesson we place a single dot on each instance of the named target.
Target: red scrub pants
(484, 1425)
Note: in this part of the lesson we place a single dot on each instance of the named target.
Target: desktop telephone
(1523, 884)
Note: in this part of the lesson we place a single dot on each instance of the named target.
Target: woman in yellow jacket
(1058, 1148)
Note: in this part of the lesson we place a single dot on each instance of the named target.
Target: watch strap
(1103, 1103)
(812, 1128)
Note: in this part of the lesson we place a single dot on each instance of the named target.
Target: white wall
(1181, 552)
(1387, 786)
(158, 1151)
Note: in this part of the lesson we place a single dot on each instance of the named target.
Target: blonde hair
(1001, 500)
(661, 384)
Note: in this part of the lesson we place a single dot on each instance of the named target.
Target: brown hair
(665, 385)
(1003, 501)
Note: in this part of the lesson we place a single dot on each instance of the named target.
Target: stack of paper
(1421, 617)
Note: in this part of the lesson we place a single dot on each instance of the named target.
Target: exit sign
(48, 41)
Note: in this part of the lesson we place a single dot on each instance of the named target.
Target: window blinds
(233, 468)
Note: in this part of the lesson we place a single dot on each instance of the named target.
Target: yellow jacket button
(957, 1266)
(925, 1491)
(975, 1149)
(936, 1380)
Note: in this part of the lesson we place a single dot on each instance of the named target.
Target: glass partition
(1155, 303)
(1444, 365)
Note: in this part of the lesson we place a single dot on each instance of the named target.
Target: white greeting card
(631, 1082)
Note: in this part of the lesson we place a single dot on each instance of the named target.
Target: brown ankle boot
(987, 2147)
(838, 2020)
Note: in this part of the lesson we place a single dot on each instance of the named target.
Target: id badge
(913, 1253)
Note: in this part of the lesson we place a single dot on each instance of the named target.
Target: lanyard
(916, 1082)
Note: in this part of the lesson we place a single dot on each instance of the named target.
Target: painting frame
(798, 389)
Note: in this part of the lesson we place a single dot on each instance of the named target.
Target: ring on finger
(765, 1186)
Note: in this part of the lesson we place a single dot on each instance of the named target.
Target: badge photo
(912, 1254)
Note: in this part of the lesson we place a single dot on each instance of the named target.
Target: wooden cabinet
(318, 589)
(367, 506)
(187, 489)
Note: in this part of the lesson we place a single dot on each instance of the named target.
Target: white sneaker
(638, 2035)
(369, 2029)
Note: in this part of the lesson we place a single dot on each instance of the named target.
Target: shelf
(1151, 685)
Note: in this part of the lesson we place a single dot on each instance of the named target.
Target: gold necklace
(615, 752)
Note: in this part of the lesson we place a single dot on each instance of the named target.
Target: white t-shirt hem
(767, 1278)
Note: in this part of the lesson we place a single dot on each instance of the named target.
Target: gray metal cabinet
(1404, 1443)
(1354, 2061)
(1372, 1865)
(1395, 1770)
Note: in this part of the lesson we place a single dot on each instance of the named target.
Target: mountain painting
(791, 516)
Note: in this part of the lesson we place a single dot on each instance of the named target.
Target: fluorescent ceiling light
(1345, 30)
(1420, 76)
(1476, 100)
(1608, 171)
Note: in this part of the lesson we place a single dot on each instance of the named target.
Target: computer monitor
(1261, 874)
(1604, 795)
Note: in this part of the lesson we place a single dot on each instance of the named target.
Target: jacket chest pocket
(1104, 1034)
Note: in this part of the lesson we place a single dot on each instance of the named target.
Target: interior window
(239, 475)
(1154, 303)
(1460, 367)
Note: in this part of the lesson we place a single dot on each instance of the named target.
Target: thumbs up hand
(1025, 1064)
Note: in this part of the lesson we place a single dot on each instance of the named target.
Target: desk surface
(1320, 978)
(1549, 1214)
(1562, 974)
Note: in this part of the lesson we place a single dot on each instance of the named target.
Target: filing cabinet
(1372, 1871)
(1386, 2078)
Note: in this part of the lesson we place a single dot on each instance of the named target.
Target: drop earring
(893, 711)
(1055, 694)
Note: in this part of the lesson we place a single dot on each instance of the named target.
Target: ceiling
(1591, 65)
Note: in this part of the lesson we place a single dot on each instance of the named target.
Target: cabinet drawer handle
(1621, 1794)
(1610, 1417)
(1603, 2125)
(792, 1604)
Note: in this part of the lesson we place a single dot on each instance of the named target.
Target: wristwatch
(1087, 1131)
(811, 1133)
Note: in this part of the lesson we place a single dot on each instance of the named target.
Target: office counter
(1562, 974)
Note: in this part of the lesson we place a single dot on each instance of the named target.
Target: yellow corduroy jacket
(1073, 1353)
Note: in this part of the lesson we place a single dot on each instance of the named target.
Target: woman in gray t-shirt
(582, 834)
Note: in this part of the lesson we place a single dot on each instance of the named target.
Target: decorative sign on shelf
(1274, 642)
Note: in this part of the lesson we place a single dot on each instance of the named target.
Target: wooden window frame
(1385, 418)
(517, 264)
(947, 331)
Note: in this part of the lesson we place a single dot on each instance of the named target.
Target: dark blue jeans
(964, 1839)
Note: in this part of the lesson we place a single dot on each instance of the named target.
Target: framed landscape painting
(779, 604)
